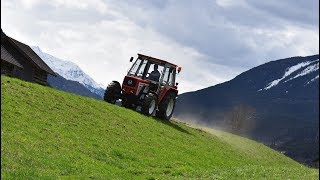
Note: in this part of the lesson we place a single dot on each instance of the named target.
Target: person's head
(155, 67)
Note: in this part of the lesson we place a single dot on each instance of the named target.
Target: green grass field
(47, 133)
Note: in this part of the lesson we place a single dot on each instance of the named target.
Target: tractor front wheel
(149, 104)
(113, 92)
(166, 107)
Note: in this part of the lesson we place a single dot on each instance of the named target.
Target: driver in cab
(155, 74)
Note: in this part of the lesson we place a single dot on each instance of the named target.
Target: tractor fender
(166, 91)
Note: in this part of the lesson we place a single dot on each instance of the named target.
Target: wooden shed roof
(6, 56)
(26, 51)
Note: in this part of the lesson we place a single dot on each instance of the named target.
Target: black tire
(126, 103)
(169, 101)
(149, 104)
(113, 92)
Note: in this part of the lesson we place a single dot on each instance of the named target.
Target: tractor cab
(150, 84)
(157, 73)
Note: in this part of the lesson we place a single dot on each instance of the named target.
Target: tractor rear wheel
(166, 107)
(113, 92)
(149, 104)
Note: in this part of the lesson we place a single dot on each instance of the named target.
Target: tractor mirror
(179, 69)
(131, 59)
(177, 84)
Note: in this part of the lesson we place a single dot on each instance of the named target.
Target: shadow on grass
(166, 122)
(173, 125)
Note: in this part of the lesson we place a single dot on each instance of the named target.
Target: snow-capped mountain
(281, 99)
(70, 71)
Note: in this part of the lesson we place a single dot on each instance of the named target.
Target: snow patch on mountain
(287, 73)
(69, 71)
(293, 69)
(307, 70)
(313, 79)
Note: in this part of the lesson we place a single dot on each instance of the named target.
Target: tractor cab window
(135, 67)
(168, 77)
(165, 76)
(142, 68)
(171, 80)
(138, 67)
(154, 72)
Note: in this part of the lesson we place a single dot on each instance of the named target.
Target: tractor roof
(156, 59)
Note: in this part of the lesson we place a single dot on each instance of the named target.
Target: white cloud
(98, 5)
(229, 3)
(29, 3)
(213, 41)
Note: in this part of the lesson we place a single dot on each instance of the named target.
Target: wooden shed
(20, 61)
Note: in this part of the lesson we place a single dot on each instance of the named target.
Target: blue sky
(213, 40)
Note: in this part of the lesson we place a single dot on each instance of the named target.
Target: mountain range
(70, 75)
(276, 103)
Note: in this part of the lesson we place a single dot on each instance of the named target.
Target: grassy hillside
(48, 133)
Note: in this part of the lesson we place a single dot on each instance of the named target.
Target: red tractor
(149, 84)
